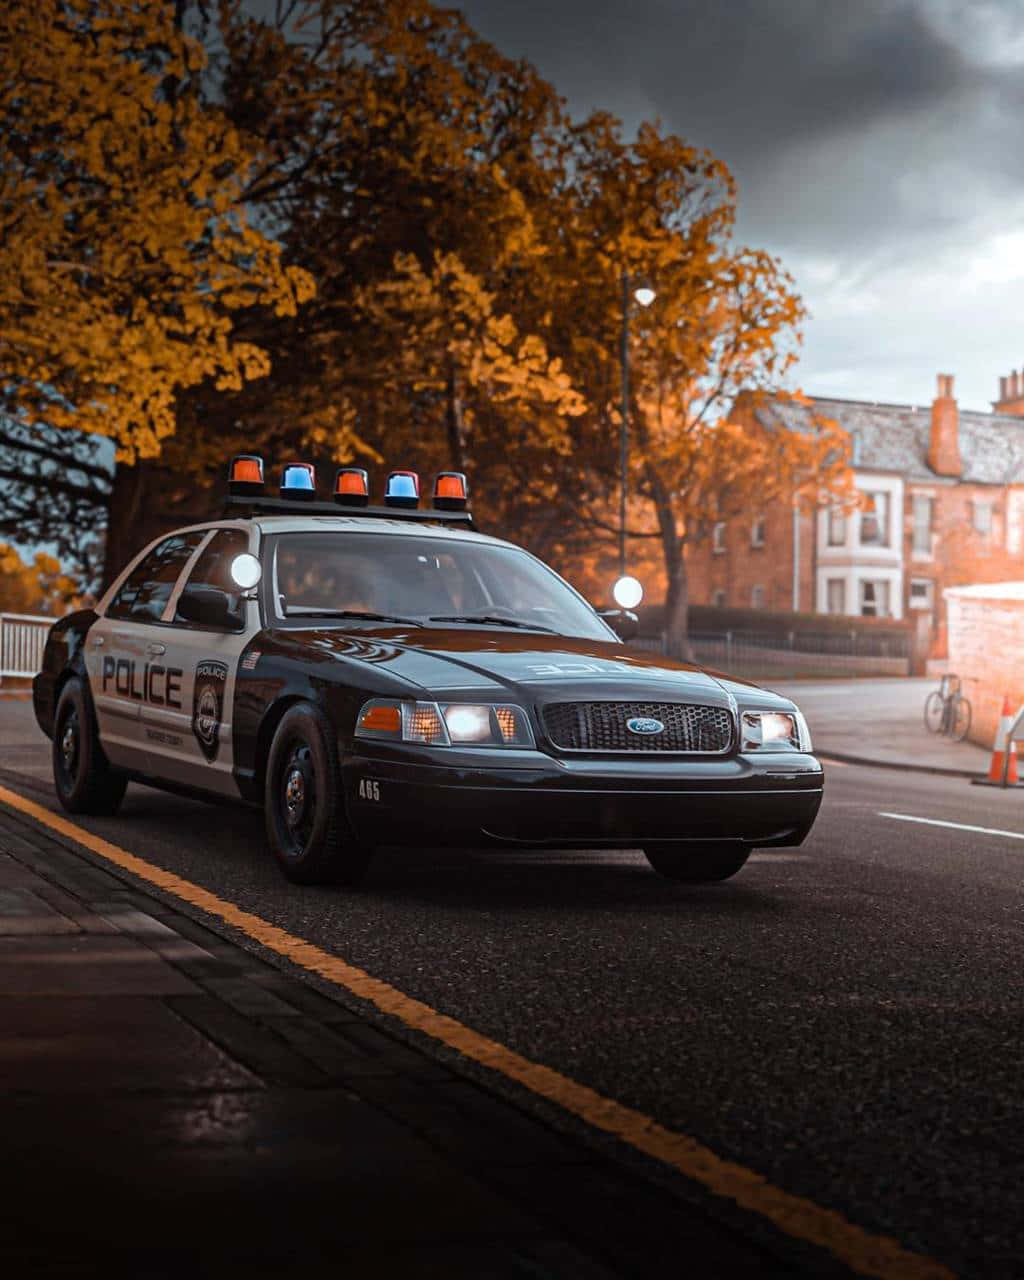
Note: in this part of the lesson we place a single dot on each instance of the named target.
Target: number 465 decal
(369, 789)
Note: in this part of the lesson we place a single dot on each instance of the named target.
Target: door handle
(156, 649)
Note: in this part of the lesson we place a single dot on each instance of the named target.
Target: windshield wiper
(492, 620)
(361, 614)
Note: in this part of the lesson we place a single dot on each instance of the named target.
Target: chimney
(1011, 395)
(943, 446)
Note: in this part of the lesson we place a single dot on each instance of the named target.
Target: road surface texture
(843, 1021)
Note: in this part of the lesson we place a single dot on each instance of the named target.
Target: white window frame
(757, 596)
(925, 601)
(863, 585)
(921, 538)
(718, 538)
(837, 527)
(983, 527)
(841, 584)
(757, 532)
(886, 522)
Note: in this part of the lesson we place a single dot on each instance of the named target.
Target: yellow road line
(868, 1254)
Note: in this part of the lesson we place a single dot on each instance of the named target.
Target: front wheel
(305, 814)
(82, 776)
(933, 709)
(697, 863)
(961, 718)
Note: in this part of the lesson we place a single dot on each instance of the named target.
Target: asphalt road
(845, 1019)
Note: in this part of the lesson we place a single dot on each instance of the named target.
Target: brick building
(945, 493)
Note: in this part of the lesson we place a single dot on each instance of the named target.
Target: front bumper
(540, 800)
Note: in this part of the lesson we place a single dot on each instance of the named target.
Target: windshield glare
(316, 574)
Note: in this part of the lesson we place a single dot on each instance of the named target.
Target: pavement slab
(177, 1106)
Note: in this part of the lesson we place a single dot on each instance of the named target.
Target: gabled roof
(894, 437)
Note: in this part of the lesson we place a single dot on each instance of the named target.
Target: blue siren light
(402, 489)
(298, 481)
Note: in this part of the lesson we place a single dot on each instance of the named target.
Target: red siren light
(451, 492)
(298, 481)
(352, 487)
(245, 476)
(402, 489)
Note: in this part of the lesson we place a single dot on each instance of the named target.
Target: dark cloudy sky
(878, 146)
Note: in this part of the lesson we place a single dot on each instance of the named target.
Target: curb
(869, 763)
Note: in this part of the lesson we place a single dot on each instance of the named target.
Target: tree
(40, 586)
(55, 488)
(724, 330)
(125, 247)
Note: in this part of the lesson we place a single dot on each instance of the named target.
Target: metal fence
(22, 639)
(758, 654)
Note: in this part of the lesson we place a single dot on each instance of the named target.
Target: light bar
(245, 475)
(298, 481)
(451, 492)
(402, 489)
(352, 487)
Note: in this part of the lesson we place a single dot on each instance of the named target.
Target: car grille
(601, 726)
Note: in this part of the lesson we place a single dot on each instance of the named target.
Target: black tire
(697, 863)
(303, 805)
(933, 708)
(82, 776)
(961, 718)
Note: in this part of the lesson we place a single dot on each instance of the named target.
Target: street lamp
(644, 295)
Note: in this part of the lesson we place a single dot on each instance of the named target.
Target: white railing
(22, 639)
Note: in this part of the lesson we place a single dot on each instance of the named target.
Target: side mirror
(623, 622)
(210, 607)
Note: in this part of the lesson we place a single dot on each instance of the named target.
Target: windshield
(439, 582)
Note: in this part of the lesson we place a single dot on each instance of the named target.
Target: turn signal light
(298, 481)
(381, 718)
(402, 489)
(451, 491)
(352, 487)
(245, 475)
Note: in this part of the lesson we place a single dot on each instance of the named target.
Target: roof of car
(393, 525)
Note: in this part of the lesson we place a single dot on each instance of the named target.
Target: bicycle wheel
(933, 708)
(961, 718)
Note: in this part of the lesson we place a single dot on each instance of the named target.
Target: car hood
(526, 665)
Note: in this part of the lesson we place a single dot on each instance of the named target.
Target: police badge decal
(207, 705)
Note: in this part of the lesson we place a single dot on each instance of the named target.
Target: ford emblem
(644, 724)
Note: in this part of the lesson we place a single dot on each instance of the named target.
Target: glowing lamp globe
(627, 593)
(644, 295)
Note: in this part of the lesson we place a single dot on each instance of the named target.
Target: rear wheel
(961, 718)
(697, 863)
(303, 805)
(82, 776)
(933, 708)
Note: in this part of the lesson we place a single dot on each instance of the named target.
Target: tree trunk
(677, 610)
(677, 602)
(147, 500)
(122, 542)
(456, 424)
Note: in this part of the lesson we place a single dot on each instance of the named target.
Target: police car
(388, 675)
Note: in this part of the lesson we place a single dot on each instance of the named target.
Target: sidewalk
(176, 1107)
(881, 722)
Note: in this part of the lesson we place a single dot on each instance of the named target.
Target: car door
(190, 742)
(122, 654)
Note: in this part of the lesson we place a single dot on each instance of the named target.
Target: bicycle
(947, 711)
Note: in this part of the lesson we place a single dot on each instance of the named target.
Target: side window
(213, 568)
(143, 595)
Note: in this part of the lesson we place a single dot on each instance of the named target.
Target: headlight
(775, 731)
(462, 724)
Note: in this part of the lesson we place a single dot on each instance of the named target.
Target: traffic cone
(1002, 745)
